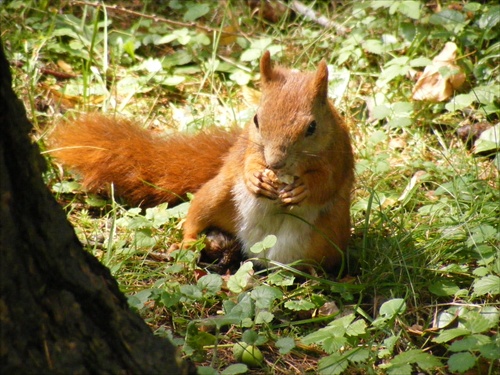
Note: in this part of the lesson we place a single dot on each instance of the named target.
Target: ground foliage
(424, 268)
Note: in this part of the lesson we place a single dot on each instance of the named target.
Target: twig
(48, 71)
(321, 20)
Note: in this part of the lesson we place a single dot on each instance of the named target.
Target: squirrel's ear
(320, 84)
(266, 70)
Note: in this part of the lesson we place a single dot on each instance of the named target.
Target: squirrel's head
(295, 119)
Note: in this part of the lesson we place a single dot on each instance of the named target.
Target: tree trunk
(60, 309)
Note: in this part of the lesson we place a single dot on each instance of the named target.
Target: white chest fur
(259, 217)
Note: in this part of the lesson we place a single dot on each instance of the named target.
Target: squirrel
(289, 172)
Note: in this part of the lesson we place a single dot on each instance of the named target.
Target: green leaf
(381, 112)
(158, 215)
(389, 344)
(165, 39)
(285, 344)
(444, 288)
(264, 296)
(237, 368)
(66, 187)
(450, 334)
(381, 4)
(211, 283)
(485, 94)
(490, 19)
(196, 11)
(144, 238)
(475, 322)
(358, 355)
(472, 7)
(238, 282)
(299, 305)
(357, 328)
(250, 337)
(251, 54)
(197, 339)
(420, 62)
(489, 140)
(461, 362)
(374, 46)
(138, 300)
(377, 137)
(402, 109)
(205, 370)
(191, 292)
(401, 369)
(492, 314)
(487, 285)
(333, 344)
(446, 318)
(281, 278)
(240, 77)
(410, 9)
(268, 242)
(469, 343)
(178, 58)
(264, 317)
(94, 201)
(336, 328)
(392, 308)
(447, 16)
(170, 80)
(491, 350)
(391, 71)
(424, 360)
(399, 122)
(179, 211)
(460, 102)
(317, 337)
(243, 310)
(332, 365)
(170, 299)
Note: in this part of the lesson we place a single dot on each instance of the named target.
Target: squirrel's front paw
(263, 184)
(294, 193)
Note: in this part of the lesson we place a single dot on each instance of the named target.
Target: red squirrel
(288, 173)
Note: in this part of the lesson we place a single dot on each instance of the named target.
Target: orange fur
(144, 169)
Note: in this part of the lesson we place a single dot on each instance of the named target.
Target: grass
(424, 265)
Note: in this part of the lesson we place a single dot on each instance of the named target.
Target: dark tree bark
(60, 309)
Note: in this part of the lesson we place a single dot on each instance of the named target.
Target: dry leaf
(328, 309)
(228, 36)
(431, 85)
(64, 66)
(250, 96)
(397, 143)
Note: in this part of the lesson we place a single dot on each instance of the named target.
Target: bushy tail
(145, 169)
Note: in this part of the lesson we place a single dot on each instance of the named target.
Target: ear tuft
(266, 69)
(320, 85)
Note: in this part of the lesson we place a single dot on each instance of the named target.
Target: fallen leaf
(64, 66)
(397, 143)
(328, 309)
(441, 78)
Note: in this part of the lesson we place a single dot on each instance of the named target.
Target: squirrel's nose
(276, 165)
(276, 157)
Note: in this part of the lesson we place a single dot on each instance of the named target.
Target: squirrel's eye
(311, 128)
(256, 121)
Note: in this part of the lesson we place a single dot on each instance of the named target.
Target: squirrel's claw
(294, 193)
(260, 185)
